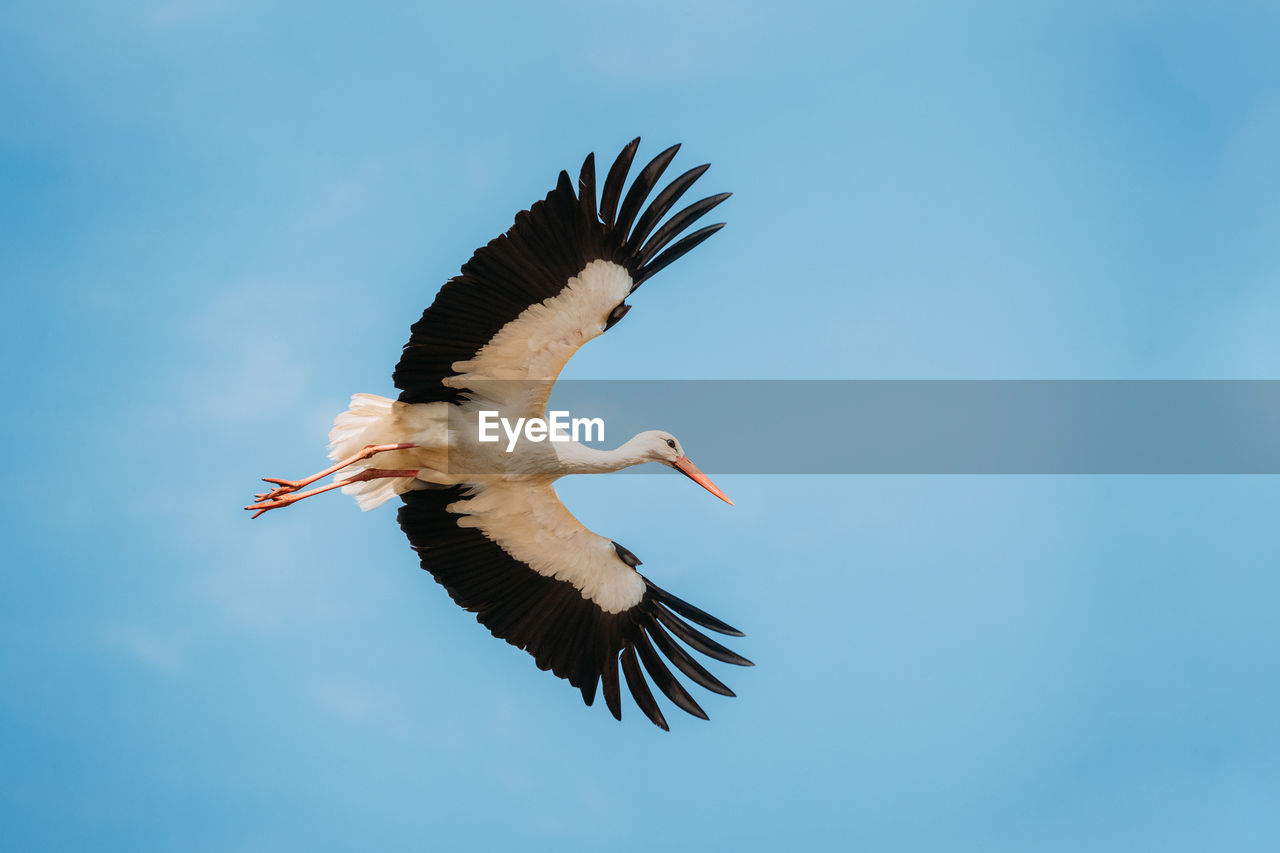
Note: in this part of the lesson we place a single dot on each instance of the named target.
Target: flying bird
(484, 517)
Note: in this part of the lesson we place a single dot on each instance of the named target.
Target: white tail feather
(371, 420)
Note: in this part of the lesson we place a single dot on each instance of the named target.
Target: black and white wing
(536, 577)
(509, 551)
(525, 303)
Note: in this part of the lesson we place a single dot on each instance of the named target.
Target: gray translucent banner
(944, 427)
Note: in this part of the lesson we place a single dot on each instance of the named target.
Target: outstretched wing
(525, 302)
(536, 577)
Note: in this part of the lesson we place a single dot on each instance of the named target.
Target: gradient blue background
(217, 220)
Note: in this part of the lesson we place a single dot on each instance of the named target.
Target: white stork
(486, 520)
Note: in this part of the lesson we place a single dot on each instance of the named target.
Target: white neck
(577, 458)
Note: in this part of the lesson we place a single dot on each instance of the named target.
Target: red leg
(367, 474)
(287, 486)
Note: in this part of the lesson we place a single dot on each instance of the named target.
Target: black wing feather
(685, 662)
(678, 223)
(664, 202)
(587, 188)
(640, 690)
(697, 640)
(688, 611)
(609, 685)
(614, 180)
(640, 189)
(675, 252)
(664, 679)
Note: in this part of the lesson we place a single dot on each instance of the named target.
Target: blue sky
(218, 220)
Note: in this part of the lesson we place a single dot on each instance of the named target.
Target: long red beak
(684, 466)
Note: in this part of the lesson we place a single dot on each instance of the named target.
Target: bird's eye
(671, 442)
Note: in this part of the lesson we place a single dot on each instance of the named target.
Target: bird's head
(659, 446)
